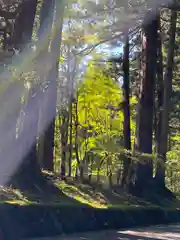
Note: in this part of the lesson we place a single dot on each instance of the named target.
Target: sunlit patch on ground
(152, 235)
(72, 192)
(171, 232)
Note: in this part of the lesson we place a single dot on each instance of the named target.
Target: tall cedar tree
(48, 150)
(126, 125)
(46, 23)
(23, 35)
(143, 144)
(163, 140)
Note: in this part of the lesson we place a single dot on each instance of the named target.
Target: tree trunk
(64, 142)
(24, 24)
(46, 17)
(159, 91)
(143, 144)
(46, 22)
(70, 140)
(110, 179)
(48, 153)
(126, 125)
(9, 155)
(76, 123)
(25, 143)
(28, 21)
(98, 175)
(163, 145)
(27, 138)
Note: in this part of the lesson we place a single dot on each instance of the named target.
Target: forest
(90, 102)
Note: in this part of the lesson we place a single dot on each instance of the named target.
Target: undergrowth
(72, 192)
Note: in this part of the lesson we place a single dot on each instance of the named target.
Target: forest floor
(72, 192)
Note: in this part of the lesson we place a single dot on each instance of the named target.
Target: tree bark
(24, 24)
(76, 123)
(29, 170)
(9, 155)
(48, 153)
(163, 145)
(64, 141)
(46, 22)
(143, 143)
(27, 137)
(159, 91)
(70, 139)
(126, 124)
(46, 17)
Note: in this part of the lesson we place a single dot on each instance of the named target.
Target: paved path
(170, 232)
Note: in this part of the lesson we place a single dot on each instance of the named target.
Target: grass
(74, 193)
(99, 196)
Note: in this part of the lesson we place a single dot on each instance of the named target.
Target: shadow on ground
(41, 191)
(49, 189)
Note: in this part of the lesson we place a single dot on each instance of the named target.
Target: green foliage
(99, 113)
